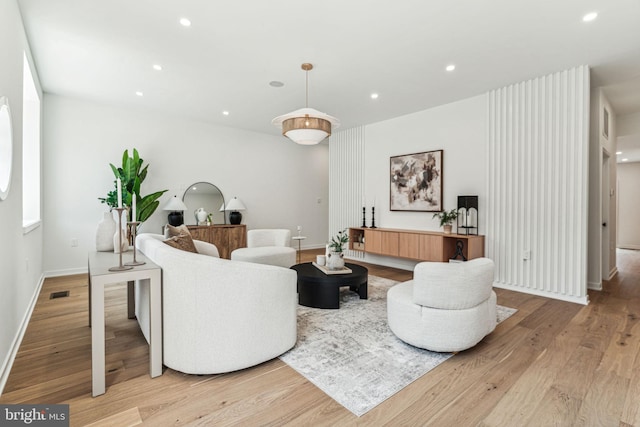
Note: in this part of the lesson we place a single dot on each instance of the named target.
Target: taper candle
(134, 216)
(119, 188)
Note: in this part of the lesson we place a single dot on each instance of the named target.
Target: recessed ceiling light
(225, 113)
(618, 152)
(185, 22)
(139, 93)
(374, 96)
(450, 67)
(157, 67)
(276, 83)
(590, 16)
(625, 160)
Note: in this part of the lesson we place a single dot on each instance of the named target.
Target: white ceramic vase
(104, 233)
(335, 260)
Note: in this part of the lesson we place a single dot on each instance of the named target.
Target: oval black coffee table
(320, 290)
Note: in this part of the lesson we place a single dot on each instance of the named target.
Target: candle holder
(134, 228)
(120, 267)
(364, 213)
(373, 217)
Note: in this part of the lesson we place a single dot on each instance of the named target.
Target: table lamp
(176, 208)
(234, 206)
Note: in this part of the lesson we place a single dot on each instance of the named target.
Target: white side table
(299, 239)
(99, 277)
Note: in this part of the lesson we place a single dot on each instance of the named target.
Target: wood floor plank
(552, 363)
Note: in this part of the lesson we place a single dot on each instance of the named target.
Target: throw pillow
(180, 230)
(182, 242)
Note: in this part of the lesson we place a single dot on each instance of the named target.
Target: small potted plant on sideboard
(446, 218)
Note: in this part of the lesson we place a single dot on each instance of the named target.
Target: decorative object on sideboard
(416, 182)
(131, 175)
(459, 252)
(335, 258)
(6, 147)
(176, 208)
(468, 215)
(104, 233)
(446, 219)
(235, 205)
(306, 126)
(373, 217)
(201, 216)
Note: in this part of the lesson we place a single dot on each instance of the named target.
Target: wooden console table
(414, 244)
(226, 237)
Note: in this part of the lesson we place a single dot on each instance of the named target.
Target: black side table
(320, 290)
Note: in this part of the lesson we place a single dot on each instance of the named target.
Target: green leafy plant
(337, 242)
(132, 174)
(446, 218)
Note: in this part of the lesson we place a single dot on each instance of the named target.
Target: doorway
(605, 188)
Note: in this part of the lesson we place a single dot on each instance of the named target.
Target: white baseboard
(633, 247)
(612, 273)
(5, 368)
(596, 286)
(578, 300)
(65, 272)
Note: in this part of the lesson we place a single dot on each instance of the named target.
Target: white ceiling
(104, 50)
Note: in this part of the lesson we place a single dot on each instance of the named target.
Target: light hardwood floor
(552, 363)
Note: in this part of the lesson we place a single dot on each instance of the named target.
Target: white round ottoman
(272, 255)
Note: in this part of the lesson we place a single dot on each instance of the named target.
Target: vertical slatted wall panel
(346, 181)
(537, 135)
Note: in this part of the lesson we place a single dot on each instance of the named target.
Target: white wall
(20, 254)
(458, 129)
(538, 148)
(628, 205)
(277, 180)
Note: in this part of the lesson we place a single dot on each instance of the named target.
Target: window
(30, 151)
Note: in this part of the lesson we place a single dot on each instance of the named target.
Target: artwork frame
(415, 182)
(605, 124)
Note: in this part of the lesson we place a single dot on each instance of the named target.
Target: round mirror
(203, 201)
(6, 147)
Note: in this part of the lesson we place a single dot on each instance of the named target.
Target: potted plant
(335, 258)
(446, 218)
(132, 174)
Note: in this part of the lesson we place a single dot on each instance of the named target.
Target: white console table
(99, 277)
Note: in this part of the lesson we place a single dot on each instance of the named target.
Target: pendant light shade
(306, 126)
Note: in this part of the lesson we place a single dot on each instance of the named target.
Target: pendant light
(306, 126)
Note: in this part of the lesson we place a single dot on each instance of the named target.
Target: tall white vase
(104, 233)
(124, 243)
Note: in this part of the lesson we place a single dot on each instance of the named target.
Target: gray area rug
(352, 355)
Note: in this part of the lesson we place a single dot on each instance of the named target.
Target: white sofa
(267, 246)
(218, 315)
(446, 307)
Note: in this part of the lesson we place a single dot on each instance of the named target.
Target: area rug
(352, 355)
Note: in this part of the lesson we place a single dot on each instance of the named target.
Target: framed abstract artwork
(416, 182)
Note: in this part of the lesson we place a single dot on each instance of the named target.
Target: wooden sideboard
(414, 244)
(226, 237)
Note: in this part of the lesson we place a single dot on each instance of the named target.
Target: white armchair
(218, 315)
(446, 307)
(267, 246)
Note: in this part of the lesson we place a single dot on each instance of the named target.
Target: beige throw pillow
(180, 238)
(180, 230)
(183, 242)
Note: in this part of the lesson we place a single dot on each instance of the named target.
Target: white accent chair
(447, 307)
(218, 315)
(267, 246)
